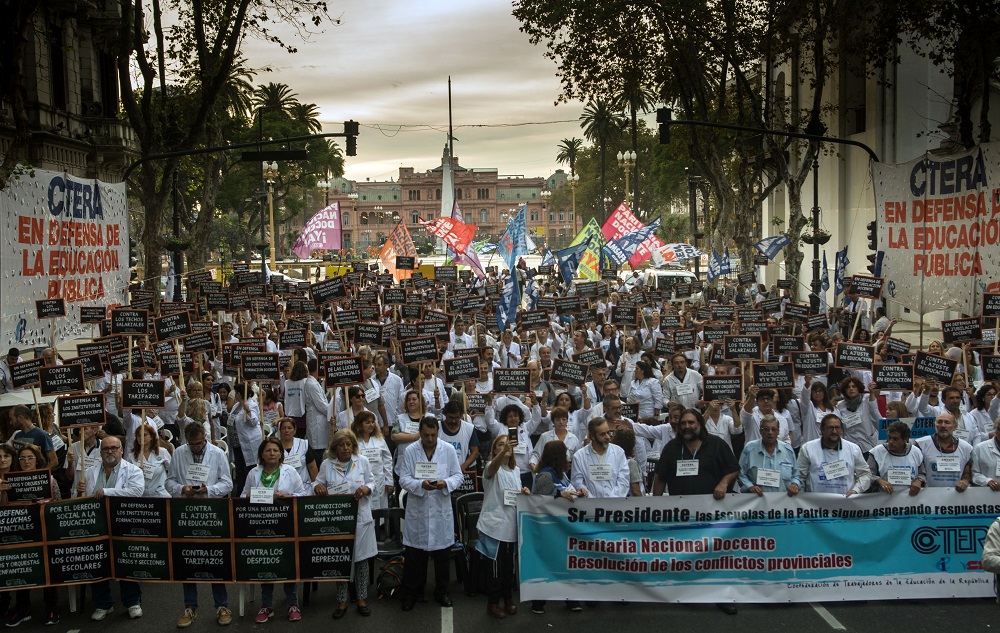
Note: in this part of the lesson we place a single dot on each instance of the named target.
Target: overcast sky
(387, 64)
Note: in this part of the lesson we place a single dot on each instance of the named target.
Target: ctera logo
(958, 539)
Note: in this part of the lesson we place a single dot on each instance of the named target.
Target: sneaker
(294, 615)
(265, 614)
(190, 614)
(575, 606)
(135, 611)
(52, 619)
(18, 617)
(223, 616)
(100, 614)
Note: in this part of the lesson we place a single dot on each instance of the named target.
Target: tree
(569, 149)
(14, 46)
(601, 125)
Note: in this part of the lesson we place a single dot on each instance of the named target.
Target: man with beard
(600, 469)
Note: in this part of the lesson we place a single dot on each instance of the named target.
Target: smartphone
(512, 435)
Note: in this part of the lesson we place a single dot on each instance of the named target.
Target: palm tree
(272, 97)
(635, 98)
(569, 149)
(307, 114)
(601, 125)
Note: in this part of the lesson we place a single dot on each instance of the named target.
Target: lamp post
(627, 162)
(693, 181)
(573, 180)
(270, 173)
(353, 197)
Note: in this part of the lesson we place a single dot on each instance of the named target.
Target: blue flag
(724, 267)
(621, 249)
(841, 263)
(714, 266)
(510, 301)
(771, 246)
(825, 279)
(569, 260)
(514, 241)
(548, 258)
(532, 293)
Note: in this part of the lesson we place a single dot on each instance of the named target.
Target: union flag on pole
(455, 233)
(622, 221)
(397, 243)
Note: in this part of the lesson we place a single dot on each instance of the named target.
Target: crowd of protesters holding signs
(410, 393)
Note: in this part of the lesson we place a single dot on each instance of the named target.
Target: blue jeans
(219, 595)
(130, 591)
(267, 594)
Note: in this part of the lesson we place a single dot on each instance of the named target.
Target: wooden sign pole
(142, 437)
(857, 318)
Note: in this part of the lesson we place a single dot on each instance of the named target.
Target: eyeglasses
(110, 449)
(26, 458)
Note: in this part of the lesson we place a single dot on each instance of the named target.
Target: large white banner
(745, 548)
(939, 229)
(63, 237)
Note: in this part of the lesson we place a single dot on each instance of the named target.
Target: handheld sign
(749, 314)
(143, 394)
(722, 387)
(25, 373)
(684, 340)
(368, 334)
(61, 379)
(990, 367)
(740, 347)
(92, 314)
(462, 368)
(545, 269)
(624, 315)
(817, 322)
(896, 347)
(785, 284)
(770, 306)
(864, 286)
(446, 273)
(404, 262)
(961, 330)
(811, 363)
(29, 485)
(119, 361)
(533, 320)
(750, 328)
(50, 308)
(394, 297)
(85, 410)
(93, 367)
(439, 329)
(785, 345)
(260, 366)
(568, 373)
(892, 377)
(664, 347)
(715, 334)
(328, 290)
(343, 371)
(936, 368)
(422, 349)
(567, 305)
(172, 326)
(746, 277)
(586, 289)
(200, 342)
(722, 313)
(129, 322)
(292, 339)
(773, 375)
(513, 381)
(854, 356)
(797, 313)
(591, 357)
(760, 259)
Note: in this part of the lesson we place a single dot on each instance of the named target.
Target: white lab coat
(365, 545)
(129, 483)
(219, 483)
(154, 471)
(317, 415)
(430, 524)
(288, 482)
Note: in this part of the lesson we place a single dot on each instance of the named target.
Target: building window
(414, 217)
(413, 194)
(346, 219)
(570, 216)
(483, 216)
(437, 194)
(57, 67)
(562, 216)
(483, 194)
(430, 217)
(458, 194)
(468, 217)
(552, 233)
(364, 219)
(552, 216)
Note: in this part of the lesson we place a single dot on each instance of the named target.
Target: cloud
(387, 65)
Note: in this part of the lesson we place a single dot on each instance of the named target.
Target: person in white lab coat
(429, 472)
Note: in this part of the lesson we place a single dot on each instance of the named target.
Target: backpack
(390, 578)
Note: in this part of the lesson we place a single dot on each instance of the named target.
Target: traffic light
(871, 263)
(872, 236)
(133, 253)
(351, 130)
(663, 116)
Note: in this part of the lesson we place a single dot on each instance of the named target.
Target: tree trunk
(13, 45)
(796, 222)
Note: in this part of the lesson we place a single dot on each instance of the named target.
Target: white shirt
(154, 471)
(985, 459)
(686, 391)
(430, 524)
(219, 483)
(288, 481)
(617, 487)
(360, 474)
(129, 482)
(497, 519)
(813, 457)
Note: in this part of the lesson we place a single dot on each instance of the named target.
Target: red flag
(455, 233)
(398, 242)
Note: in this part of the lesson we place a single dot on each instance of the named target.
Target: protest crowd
(411, 392)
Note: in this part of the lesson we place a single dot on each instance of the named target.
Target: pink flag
(321, 233)
(469, 257)
(622, 221)
(455, 233)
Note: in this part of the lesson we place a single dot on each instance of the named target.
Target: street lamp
(270, 174)
(326, 185)
(627, 161)
(574, 180)
(379, 214)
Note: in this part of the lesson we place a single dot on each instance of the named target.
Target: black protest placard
(69, 563)
(630, 410)
(422, 349)
(746, 277)
(586, 289)
(292, 339)
(172, 326)
(546, 303)
(21, 524)
(742, 347)
(404, 262)
(200, 342)
(328, 290)
(991, 367)
(545, 269)
(864, 286)
(438, 329)
(797, 313)
(233, 352)
(936, 368)
(260, 366)
(477, 403)
(345, 320)
(854, 356)
(343, 371)
(50, 308)
(722, 387)
(462, 368)
(148, 358)
(368, 334)
(567, 305)
(591, 357)
(750, 328)
(817, 322)
(61, 379)
(248, 278)
(896, 346)
(394, 296)
(129, 322)
(25, 373)
(749, 314)
(991, 304)
(609, 273)
(201, 561)
(170, 307)
(238, 302)
(664, 347)
(141, 303)
(785, 345)
(785, 284)
(143, 394)
(406, 330)
(533, 320)
(723, 313)
(514, 381)
(896, 377)
(583, 317)
(118, 361)
(684, 340)
(93, 365)
(568, 373)
(28, 485)
(760, 259)
(773, 375)
(102, 348)
(92, 314)
(716, 333)
(137, 517)
(770, 306)
(682, 291)
(263, 520)
(811, 363)
(85, 410)
(961, 330)
(624, 315)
